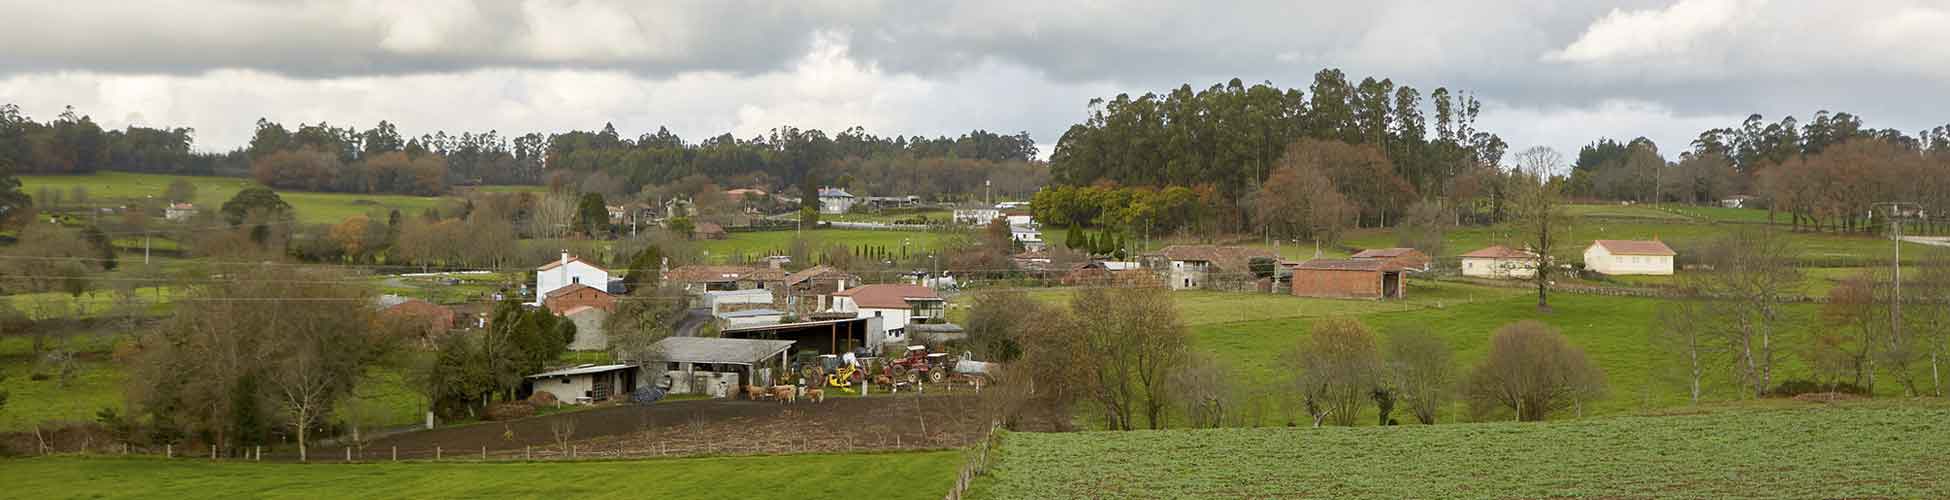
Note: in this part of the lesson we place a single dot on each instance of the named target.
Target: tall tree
(1541, 223)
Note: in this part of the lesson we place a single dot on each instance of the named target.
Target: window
(565, 380)
(575, 279)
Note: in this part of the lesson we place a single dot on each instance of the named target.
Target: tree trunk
(301, 435)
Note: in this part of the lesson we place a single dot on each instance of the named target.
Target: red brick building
(1349, 278)
(568, 297)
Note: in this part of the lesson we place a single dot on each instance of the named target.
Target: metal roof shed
(748, 352)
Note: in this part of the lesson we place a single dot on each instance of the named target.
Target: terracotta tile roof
(1635, 247)
(572, 289)
(1499, 252)
(1228, 258)
(887, 296)
(710, 274)
(558, 263)
(1384, 253)
(1348, 265)
(814, 272)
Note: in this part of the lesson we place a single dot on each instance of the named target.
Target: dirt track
(704, 427)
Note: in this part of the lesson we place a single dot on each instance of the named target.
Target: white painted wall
(1597, 258)
(835, 204)
(561, 276)
(1187, 275)
(976, 216)
(567, 389)
(1483, 267)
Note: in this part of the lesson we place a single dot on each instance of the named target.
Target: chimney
(564, 268)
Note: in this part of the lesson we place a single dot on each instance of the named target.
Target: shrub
(1792, 388)
(542, 398)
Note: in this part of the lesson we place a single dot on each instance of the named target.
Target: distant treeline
(324, 157)
(1229, 137)
(1826, 173)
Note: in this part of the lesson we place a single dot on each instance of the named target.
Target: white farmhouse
(177, 212)
(835, 201)
(1499, 262)
(976, 216)
(571, 270)
(1030, 237)
(1616, 257)
(896, 305)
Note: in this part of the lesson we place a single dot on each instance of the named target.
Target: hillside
(1781, 449)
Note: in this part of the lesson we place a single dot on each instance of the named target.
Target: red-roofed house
(1499, 262)
(1616, 257)
(570, 270)
(1349, 278)
(896, 305)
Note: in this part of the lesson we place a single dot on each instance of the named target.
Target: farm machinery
(842, 371)
(917, 364)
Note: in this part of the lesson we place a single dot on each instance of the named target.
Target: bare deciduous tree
(1533, 371)
(1421, 367)
(1746, 279)
(1541, 222)
(1338, 368)
(1134, 340)
(1204, 395)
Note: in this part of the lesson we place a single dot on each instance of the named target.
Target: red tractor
(918, 364)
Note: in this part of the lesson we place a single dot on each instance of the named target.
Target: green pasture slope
(105, 188)
(1249, 333)
(762, 243)
(866, 475)
(1783, 449)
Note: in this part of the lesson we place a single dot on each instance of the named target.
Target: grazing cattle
(785, 393)
(756, 393)
(815, 394)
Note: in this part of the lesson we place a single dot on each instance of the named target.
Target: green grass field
(1778, 450)
(762, 243)
(110, 188)
(876, 476)
(1250, 333)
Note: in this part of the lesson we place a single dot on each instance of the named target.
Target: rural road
(1935, 241)
(693, 320)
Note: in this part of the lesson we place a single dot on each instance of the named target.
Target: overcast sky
(1558, 73)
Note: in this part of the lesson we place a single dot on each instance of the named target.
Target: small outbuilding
(1620, 257)
(1500, 262)
(1349, 278)
(717, 367)
(584, 384)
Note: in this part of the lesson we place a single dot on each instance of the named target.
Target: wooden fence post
(483, 452)
(436, 453)
(213, 452)
(395, 453)
(527, 452)
(348, 454)
(257, 453)
(169, 450)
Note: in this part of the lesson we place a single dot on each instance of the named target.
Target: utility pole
(1896, 270)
